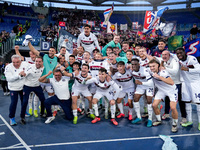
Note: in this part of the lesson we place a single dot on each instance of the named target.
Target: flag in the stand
(107, 13)
(123, 26)
(112, 28)
(152, 19)
(91, 23)
(193, 47)
(141, 35)
(84, 21)
(153, 34)
(63, 34)
(167, 28)
(61, 24)
(174, 42)
(134, 25)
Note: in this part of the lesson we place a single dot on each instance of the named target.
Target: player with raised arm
(32, 74)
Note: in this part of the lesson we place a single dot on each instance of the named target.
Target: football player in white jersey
(145, 85)
(144, 62)
(95, 66)
(88, 40)
(79, 88)
(166, 87)
(109, 89)
(124, 79)
(190, 73)
(113, 63)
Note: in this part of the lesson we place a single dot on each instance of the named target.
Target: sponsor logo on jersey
(87, 42)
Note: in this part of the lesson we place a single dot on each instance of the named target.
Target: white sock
(78, 103)
(35, 102)
(120, 106)
(198, 112)
(49, 96)
(95, 106)
(145, 101)
(130, 111)
(150, 111)
(188, 108)
(83, 103)
(174, 122)
(112, 109)
(30, 101)
(91, 111)
(106, 106)
(158, 117)
(75, 112)
(137, 109)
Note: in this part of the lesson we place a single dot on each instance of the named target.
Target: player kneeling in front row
(61, 97)
(80, 89)
(166, 87)
(104, 88)
(145, 85)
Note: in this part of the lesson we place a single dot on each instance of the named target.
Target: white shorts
(191, 92)
(47, 87)
(92, 88)
(77, 92)
(129, 92)
(173, 95)
(140, 89)
(100, 94)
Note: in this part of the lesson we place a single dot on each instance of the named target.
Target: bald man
(171, 65)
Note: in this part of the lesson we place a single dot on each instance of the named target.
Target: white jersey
(66, 55)
(161, 85)
(172, 67)
(79, 58)
(88, 42)
(142, 75)
(144, 62)
(15, 81)
(78, 81)
(125, 80)
(29, 60)
(193, 75)
(61, 87)
(95, 65)
(32, 75)
(114, 68)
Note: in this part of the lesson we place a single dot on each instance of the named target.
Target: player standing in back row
(88, 39)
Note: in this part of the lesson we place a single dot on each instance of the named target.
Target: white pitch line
(2, 124)
(103, 141)
(2, 133)
(17, 136)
